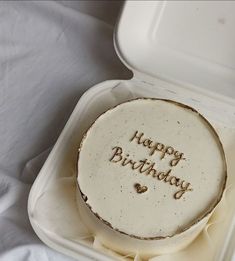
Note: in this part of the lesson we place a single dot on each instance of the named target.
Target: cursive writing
(148, 168)
(156, 146)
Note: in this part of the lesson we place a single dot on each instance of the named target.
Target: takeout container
(182, 51)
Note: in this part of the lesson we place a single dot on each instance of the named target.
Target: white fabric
(50, 53)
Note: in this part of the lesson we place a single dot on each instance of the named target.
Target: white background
(50, 53)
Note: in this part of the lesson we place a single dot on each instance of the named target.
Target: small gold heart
(139, 188)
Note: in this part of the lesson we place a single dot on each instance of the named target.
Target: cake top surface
(151, 168)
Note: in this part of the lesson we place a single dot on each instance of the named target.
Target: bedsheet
(50, 53)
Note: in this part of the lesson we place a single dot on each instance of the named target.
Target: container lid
(186, 42)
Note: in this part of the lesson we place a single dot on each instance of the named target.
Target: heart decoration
(140, 189)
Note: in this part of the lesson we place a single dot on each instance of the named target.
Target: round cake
(150, 173)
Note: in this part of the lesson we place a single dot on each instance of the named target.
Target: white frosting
(109, 186)
(52, 200)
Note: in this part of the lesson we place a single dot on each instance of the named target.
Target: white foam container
(176, 50)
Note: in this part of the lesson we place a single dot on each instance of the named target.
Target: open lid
(186, 42)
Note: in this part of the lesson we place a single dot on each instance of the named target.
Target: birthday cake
(150, 173)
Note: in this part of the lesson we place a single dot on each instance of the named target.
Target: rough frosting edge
(199, 218)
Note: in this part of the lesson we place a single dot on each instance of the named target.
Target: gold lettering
(168, 150)
(117, 153)
(126, 160)
(167, 177)
(153, 147)
(137, 136)
(151, 171)
(156, 147)
(178, 157)
(147, 143)
(161, 175)
(133, 164)
(143, 164)
(149, 168)
(184, 188)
